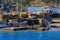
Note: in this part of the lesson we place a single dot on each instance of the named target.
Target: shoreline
(30, 29)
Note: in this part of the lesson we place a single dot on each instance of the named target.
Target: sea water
(29, 35)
